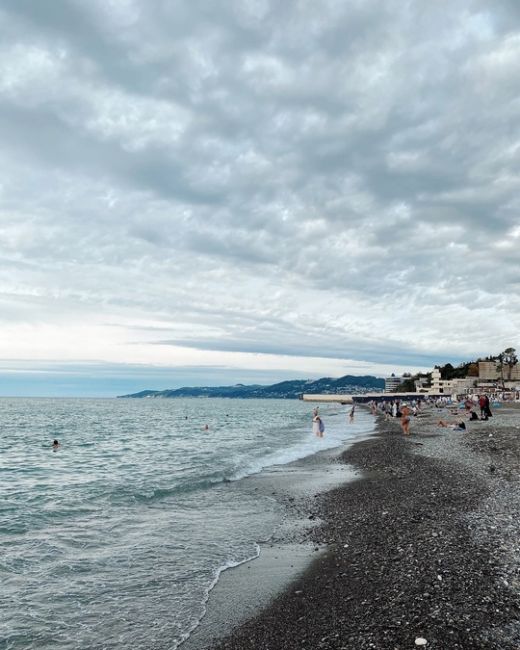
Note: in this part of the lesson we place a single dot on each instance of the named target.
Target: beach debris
(420, 641)
(345, 545)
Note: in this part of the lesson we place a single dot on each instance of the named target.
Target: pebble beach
(422, 550)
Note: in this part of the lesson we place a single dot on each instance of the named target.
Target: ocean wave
(207, 592)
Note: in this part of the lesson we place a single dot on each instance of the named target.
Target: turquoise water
(115, 540)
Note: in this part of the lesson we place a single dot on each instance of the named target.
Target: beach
(420, 549)
(116, 538)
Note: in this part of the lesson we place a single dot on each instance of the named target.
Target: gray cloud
(381, 353)
(284, 178)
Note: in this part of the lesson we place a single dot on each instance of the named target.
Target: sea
(116, 539)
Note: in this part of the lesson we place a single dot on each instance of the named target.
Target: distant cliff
(285, 389)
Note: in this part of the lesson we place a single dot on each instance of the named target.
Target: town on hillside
(491, 376)
(496, 376)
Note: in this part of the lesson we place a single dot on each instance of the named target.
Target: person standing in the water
(318, 427)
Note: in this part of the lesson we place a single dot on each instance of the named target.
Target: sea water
(116, 539)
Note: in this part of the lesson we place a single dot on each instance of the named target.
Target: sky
(214, 192)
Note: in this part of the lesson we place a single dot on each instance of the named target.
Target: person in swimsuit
(55, 445)
(456, 426)
(405, 420)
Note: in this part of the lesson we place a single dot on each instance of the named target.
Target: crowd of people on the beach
(404, 411)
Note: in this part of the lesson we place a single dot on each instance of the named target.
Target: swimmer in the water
(55, 445)
(206, 427)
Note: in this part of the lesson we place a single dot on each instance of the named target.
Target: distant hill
(286, 389)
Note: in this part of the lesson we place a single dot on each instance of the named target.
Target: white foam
(209, 589)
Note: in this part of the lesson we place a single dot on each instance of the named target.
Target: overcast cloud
(293, 189)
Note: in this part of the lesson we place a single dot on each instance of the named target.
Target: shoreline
(286, 554)
(413, 549)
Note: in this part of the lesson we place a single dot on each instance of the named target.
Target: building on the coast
(392, 382)
(490, 371)
(489, 380)
(433, 386)
(439, 386)
(422, 385)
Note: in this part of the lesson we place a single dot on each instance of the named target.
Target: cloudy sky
(209, 192)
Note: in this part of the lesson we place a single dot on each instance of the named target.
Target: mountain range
(292, 389)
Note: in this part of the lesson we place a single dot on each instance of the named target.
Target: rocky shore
(424, 550)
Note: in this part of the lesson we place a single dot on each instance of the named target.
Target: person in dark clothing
(482, 404)
(487, 410)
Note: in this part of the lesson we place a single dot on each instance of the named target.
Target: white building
(391, 383)
(448, 386)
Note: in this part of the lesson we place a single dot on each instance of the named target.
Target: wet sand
(286, 555)
(424, 547)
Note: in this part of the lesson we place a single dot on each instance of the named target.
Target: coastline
(417, 548)
(288, 552)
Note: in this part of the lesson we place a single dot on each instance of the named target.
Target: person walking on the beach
(405, 420)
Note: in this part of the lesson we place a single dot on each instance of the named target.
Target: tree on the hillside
(407, 385)
(507, 358)
(448, 371)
